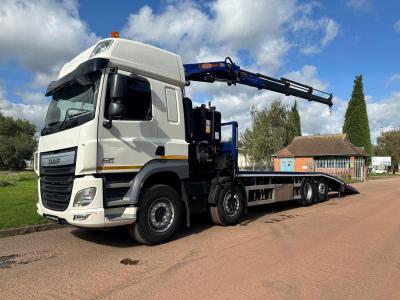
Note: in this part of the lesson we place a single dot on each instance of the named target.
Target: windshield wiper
(68, 116)
(47, 127)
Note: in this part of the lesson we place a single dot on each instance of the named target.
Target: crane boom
(229, 72)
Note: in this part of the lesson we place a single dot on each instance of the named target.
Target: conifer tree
(294, 124)
(356, 123)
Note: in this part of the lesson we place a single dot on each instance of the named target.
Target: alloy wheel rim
(231, 204)
(161, 215)
(321, 188)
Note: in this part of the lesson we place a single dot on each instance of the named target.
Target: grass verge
(18, 200)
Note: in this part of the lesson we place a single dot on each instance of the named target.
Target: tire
(307, 192)
(322, 190)
(227, 212)
(159, 215)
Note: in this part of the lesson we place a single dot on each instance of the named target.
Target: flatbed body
(265, 187)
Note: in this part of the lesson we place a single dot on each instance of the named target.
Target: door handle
(160, 150)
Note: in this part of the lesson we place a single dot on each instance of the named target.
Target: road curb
(29, 229)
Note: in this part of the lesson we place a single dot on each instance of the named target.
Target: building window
(137, 100)
(332, 162)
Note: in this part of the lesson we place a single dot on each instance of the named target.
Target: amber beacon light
(114, 34)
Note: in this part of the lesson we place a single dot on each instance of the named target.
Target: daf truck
(123, 146)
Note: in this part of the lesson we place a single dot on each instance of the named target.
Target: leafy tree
(294, 124)
(356, 119)
(17, 142)
(389, 145)
(273, 129)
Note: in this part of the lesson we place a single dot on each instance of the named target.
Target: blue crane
(227, 71)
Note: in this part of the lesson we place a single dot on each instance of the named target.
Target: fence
(340, 167)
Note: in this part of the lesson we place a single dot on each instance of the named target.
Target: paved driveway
(347, 248)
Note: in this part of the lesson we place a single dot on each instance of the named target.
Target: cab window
(137, 101)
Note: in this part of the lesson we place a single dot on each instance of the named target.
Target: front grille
(56, 186)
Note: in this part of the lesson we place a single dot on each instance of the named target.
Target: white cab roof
(137, 58)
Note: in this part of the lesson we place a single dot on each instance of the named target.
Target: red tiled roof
(321, 145)
(284, 152)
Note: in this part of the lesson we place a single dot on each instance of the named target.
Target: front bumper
(92, 216)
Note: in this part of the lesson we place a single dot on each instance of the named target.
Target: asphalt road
(346, 248)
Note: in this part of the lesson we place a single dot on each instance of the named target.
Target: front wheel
(159, 215)
(228, 210)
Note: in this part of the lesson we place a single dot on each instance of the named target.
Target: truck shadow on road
(119, 237)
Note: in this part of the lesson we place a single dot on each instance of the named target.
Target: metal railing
(340, 167)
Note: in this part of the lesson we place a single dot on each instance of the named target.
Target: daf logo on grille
(58, 159)
(54, 161)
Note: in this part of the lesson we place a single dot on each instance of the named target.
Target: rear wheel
(307, 192)
(322, 190)
(159, 215)
(228, 210)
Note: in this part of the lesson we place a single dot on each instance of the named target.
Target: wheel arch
(169, 178)
(169, 172)
(216, 187)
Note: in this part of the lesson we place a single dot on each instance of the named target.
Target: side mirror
(116, 109)
(118, 88)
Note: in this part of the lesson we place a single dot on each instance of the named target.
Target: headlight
(101, 46)
(85, 197)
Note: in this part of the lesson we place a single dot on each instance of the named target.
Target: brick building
(332, 154)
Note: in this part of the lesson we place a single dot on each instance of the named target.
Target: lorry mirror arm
(108, 124)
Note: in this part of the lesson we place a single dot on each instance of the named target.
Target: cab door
(132, 140)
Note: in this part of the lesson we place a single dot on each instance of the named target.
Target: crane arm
(229, 72)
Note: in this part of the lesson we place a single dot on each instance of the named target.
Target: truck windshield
(72, 105)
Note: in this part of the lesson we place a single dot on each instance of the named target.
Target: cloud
(42, 35)
(331, 31)
(360, 5)
(396, 26)
(261, 31)
(230, 27)
(392, 78)
(33, 108)
(384, 114)
(316, 34)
